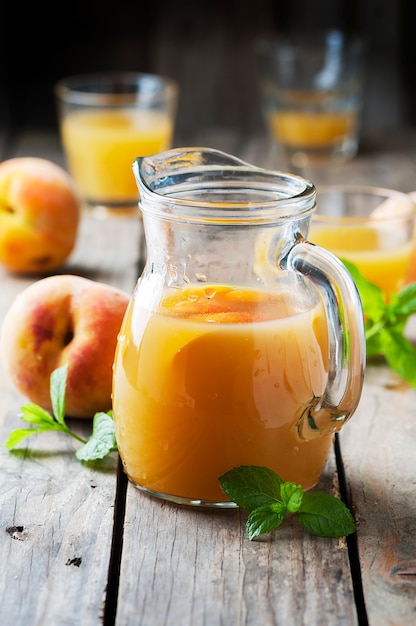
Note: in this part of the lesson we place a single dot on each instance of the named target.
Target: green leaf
(405, 302)
(265, 519)
(385, 324)
(57, 391)
(18, 435)
(400, 354)
(320, 513)
(325, 516)
(374, 345)
(102, 440)
(372, 297)
(251, 487)
(292, 496)
(35, 414)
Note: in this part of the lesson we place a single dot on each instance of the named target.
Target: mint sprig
(269, 499)
(102, 440)
(385, 324)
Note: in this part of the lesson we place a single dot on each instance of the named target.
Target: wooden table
(81, 546)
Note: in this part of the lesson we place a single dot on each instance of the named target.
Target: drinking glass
(311, 91)
(106, 121)
(372, 227)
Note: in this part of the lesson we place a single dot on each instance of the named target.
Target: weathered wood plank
(378, 448)
(62, 510)
(55, 563)
(186, 566)
(379, 444)
(108, 250)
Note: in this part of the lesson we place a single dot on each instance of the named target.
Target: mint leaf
(374, 342)
(34, 414)
(18, 435)
(265, 519)
(268, 498)
(292, 496)
(405, 303)
(400, 354)
(325, 516)
(385, 324)
(102, 440)
(372, 297)
(251, 487)
(57, 392)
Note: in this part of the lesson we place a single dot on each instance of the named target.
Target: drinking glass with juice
(311, 90)
(315, 133)
(229, 353)
(102, 145)
(106, 121)
(371, 227)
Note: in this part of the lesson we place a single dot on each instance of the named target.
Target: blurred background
(205, 45)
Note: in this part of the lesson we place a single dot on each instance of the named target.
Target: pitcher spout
(197, 183)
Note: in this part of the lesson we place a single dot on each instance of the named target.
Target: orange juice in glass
(224, 358)
(106, 121)
(317, 130)
(371, 227)
(311, 92)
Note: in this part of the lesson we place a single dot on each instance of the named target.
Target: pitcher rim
(163, 200)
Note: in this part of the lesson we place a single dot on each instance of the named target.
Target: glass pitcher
(243, 343)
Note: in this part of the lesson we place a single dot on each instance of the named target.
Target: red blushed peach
(59, 319)
(39, 215)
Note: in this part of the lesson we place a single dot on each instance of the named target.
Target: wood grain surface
(179, 565)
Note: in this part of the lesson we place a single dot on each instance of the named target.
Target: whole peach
(39, 215)
(59, 319)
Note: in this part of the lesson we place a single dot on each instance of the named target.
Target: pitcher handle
(347, 347)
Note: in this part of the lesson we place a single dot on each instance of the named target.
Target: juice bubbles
(218, 377)
(102, 145)
(381, 255)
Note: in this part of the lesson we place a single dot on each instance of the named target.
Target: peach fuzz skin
(39, 215)
(59, 319)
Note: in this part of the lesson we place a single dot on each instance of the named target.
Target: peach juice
(311, 129)
(102, 145)
(374, 252)
(218, 377)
